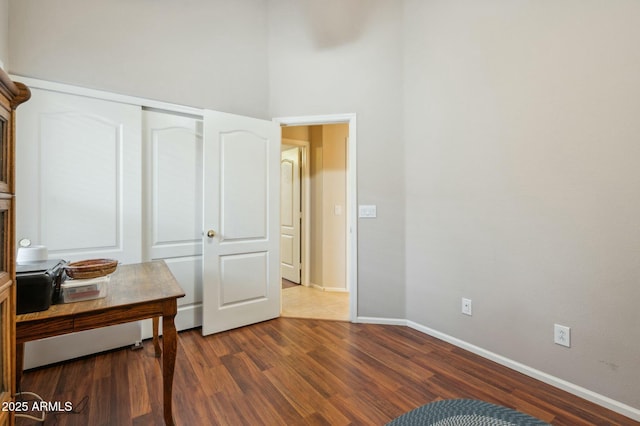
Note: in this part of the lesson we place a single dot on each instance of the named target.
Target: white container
(79, 290)
(32, 254)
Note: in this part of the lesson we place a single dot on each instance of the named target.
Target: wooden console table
(136, 292)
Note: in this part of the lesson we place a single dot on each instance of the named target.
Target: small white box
(367, 211)
(78, 290)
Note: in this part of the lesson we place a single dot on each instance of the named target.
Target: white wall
(201, 53)
(346, 57)
(522, 181)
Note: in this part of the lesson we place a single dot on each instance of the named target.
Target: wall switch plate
(367, 211)
(466, 306)
(562, 335)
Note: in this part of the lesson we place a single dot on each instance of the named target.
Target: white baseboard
(335, 289)
(382, 321)
(596, 398)
(332, 289)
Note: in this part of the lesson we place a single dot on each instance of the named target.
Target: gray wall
(346, 57)
(201, 53)
(4, 34)
(523, 183)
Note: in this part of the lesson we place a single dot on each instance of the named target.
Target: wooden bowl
(91, 268)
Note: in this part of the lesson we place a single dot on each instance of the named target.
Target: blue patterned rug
(465, 412)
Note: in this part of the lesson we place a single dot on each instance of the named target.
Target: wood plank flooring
(296, 372)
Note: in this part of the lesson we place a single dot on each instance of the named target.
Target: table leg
(156, 340)
(19, 363)
(170, 348)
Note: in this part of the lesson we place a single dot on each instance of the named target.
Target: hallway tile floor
(309, 302)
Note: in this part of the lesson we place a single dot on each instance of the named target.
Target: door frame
(352, 194)
(305, 204)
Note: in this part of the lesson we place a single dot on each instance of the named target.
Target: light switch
(337, 210)
(367, 211)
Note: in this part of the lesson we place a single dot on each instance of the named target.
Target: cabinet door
(5, 151)
(6, 314)
(78, 176)
(5, 342)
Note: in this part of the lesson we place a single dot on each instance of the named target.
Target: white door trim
(352, 195)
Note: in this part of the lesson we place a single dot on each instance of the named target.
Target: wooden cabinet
(11, 95)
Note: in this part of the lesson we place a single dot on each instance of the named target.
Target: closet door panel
(173, 146)
(80, 213)
(79, 177)
(172, 149)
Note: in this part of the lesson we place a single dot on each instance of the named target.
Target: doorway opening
(318, 217)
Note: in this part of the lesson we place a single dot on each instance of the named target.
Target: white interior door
(241, 273)
(290, 214)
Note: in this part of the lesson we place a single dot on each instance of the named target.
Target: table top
(129, 285)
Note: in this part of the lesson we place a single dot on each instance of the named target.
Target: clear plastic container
(78, 290)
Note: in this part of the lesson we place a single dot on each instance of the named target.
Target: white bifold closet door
(172, 205)
(78, 183)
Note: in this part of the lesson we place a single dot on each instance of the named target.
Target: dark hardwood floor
(296, 372)
(288, 284)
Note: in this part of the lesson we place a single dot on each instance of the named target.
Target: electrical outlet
(466, 306)
(562, 335)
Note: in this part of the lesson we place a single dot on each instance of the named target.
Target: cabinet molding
(12, 94)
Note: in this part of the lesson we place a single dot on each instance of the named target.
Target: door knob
(211, 233)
